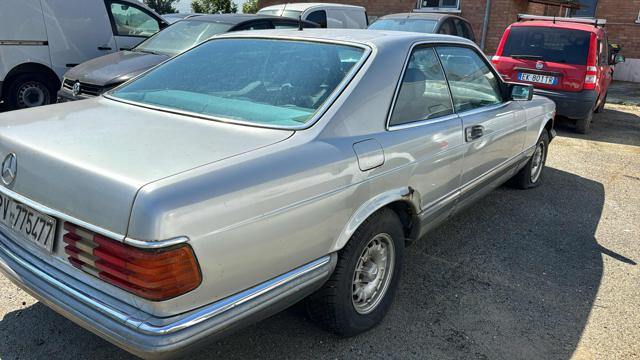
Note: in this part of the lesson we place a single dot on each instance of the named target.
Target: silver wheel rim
(537, 162)
(32, 94)
(373, 273)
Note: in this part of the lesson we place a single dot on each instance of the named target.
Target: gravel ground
(548, 273)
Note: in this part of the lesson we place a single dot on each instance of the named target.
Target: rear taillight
(495, 60)
(158, 274)
(591, 77)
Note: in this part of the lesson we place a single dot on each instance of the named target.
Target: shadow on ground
(612, 126)
(513, 277)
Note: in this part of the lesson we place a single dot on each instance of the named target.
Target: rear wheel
(361, 288)
(530, 175)
(583, 126)
(30, 90)
(600, 108)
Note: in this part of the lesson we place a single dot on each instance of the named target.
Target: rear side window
(464, 30)
(424, 93)
(319, 17)
(565, 46)
(447, 28)
(473, 84)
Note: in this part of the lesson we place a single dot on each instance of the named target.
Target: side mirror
(615, 48)
(617, 59)
(520, 92)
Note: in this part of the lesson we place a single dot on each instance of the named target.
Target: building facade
(490, 18)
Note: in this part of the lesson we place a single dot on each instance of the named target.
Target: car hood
(114, 68)
(88, 159)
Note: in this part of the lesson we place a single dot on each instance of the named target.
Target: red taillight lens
(152, 274)
(591, 77)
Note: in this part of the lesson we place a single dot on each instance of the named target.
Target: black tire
(583, 126)
(333, 306)
(600, 108)
(525, 178)
(30, 90)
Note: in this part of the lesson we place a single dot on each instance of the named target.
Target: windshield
(549, 44)
(415, 25)
(279, 12)
(181, 36)
(277, 83)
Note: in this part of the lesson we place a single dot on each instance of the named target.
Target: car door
(427, 132)
(77, 31)
(604, 67)
(494, 127)
(131, 24)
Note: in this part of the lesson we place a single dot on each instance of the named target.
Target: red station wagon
(566, 59)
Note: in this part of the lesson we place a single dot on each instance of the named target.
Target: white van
(41, 39)
(326, 15)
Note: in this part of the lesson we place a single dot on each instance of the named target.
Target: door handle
(105, 48)
(474, 132)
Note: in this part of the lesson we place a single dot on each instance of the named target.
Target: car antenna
(300, 27)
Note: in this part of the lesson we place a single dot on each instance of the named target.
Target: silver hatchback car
(253, 171)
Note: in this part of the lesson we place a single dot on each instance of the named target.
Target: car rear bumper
(573, 105)
(145, 335)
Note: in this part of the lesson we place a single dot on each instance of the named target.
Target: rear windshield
(277, 83)
(181, 36)
(549, 44)
(421, 26)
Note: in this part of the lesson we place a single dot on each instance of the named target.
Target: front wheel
(362, 287)
(531, 174)
(30, 90)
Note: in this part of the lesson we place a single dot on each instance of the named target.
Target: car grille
(85, 88)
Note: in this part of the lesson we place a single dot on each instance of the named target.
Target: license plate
(540, 79)
(27, 223)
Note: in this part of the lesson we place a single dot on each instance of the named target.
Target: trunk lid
(547, 57)
(87, 159)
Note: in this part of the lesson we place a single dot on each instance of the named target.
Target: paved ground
(624, 93)
(549, 273)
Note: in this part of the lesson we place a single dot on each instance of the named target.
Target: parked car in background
(253, 170)
(566, 59)
(96, 76)
(172, 18)
(428, 23)
(326, 15)
(41, 39)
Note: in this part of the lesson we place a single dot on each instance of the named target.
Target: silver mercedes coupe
(252, 171)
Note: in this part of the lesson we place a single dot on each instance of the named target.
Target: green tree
(250, 7)
(214, 6)
(162, 6)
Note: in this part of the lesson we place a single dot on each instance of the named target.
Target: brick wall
(621, 26)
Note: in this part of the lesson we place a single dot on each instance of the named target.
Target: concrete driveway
(549, 273)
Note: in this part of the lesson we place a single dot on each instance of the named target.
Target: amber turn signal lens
(157, 275)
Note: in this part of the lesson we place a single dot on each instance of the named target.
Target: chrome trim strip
(24, 42)
(422, 122)
(349, 77)
(60, 215)
(233, 301)
(146, 244)
(193, 319)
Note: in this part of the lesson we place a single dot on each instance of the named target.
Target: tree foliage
(214, 6)
(162, 6)
(250, 7)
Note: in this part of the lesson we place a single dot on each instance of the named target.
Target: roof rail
(591, 21)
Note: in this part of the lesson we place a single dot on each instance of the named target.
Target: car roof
(233, 19)
(420, 15)
(305, 6)
(375, 38)
(558, 25)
